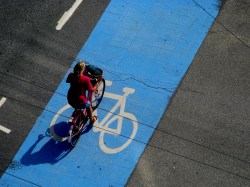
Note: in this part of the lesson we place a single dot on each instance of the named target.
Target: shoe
(94, 118)
(70, 120)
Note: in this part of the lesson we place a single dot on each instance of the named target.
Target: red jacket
(78, 87)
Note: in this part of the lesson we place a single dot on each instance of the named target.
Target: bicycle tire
(98, 94)
(75, 137)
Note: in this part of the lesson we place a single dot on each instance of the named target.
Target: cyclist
(79, 84)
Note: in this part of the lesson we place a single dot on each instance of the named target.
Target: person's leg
(72, 104)
(73, 116)
(89, 112)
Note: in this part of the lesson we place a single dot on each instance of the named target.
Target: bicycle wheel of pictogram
(111, 142)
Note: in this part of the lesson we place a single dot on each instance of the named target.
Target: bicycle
(80, 117)
(104, 126)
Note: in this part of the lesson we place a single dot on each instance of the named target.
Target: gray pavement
(203, 138)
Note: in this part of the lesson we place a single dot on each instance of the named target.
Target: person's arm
(90, 87)
(96, 86)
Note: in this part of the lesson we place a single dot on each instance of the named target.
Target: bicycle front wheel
(98, 94)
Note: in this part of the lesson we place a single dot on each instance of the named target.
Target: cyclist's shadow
(51, 152)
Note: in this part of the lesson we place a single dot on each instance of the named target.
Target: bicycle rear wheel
(77, 128)
(75, 136)
(98, 94)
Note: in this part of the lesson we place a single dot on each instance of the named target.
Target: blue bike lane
(145, 50)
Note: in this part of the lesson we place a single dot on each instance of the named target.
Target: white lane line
(2, 101)
(67, 15)
(2, 128)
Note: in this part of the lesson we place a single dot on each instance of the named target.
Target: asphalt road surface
(203, 137)
(34, 57)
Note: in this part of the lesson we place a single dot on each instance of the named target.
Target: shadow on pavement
(51, 152)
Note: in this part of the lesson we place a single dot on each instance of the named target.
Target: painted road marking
(53, 134)
(2, 128)
(67, 15)
(2, 101)
(153, 42)
(104, 125)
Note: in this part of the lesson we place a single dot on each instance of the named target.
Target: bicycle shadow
(52, 151)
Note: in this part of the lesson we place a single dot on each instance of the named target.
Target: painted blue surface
(145, 46)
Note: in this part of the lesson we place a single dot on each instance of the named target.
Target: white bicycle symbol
(104, 125)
